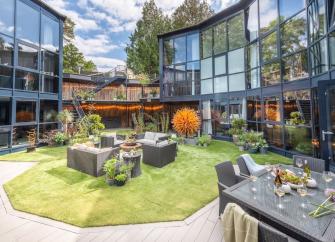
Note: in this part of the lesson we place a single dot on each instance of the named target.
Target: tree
(65, 117)
(89, 66)
(74, 60)
(69, 30)
(143, 51)
(191, 12)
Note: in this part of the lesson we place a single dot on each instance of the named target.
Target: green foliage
(205, 140)
(252, 137)
(305, 148)
(60, 138)
(262, 143)
(296, 118)
(121, 177)
(151, 127)
(65, 117)
(91, 124)
(138, 121)
(165, 122)
(83, 94)
(238, 123)
(68, 29)
(110, 168)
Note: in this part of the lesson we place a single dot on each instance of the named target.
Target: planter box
(190, 141)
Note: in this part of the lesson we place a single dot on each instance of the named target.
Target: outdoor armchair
(160, 154)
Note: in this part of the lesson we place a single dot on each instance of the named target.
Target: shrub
(65, 117)
(121, 177)
(186, 122)
(91, 124)
(205, 140)
(60, 138)
(151, 127)
(110, 168)
(237, 127)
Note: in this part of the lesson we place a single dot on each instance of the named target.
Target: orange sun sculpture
(186, 122)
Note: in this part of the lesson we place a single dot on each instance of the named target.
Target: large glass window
(27, 23)
(237, 82)
(268, 11)
(220, 65)
(317, 19)
(7, 16)
(180, 73)
(271, 74)
(297, 107)
(252, 22)
(193, 76)
(237, 108)
(25, 111)
(220, 118)
(4, 137)
(236, 61)
(206, 43)
(193, 47)
(50, 33)
(46, 128)
(252, 56)
(295, 66)
(48, 110)
(207, 86)
(168, 52)
(26, 80)
(254, 78)
(20, 134)
(272, 108)
(254, 109)
(6, 50)
(49, 84)
(6, 77)
(274, 135)
(319, 58)
(50, 63)
(206, 68)
(5, 108)
(269, 47)
(288, 8)
(332, 49)
(220, 38)
(299, 139)
(28, 57)
(220, 84)
(180, 49)
(236, 36)
(294, 34)
(332, 21)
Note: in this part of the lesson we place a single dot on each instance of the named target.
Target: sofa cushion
(159, 135)
(149, 135)
(147, 141)
(163, 143)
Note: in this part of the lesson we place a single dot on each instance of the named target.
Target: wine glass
(279, 190)
(327, 177)
(299, 164)
(302, 190)
(268, 168)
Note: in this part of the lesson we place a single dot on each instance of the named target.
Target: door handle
(324, 133)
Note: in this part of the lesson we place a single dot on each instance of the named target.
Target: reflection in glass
(295, 66)
(207, 86)
(253, 78)
(271, 74)
(48, 110)
(168, 79)
(25, 111)
(206, 43)
(297, 107)
(6, 77)
(50, 63)
(236, 61)
(220, 84)
(299, 139)
(180, 73)
(27, 23)
(288, 8)
(268, 11)
(20, 134)
(252, 22)
(46, 128)
(6, 50)
(4, 137)
(220, 117)
(272, 108)
(237, 108)
(237, 82)
(252, 56)
(332, 22)
(220, 38)
(193, 76)
(220, 65)
(180, 49)
(5, 114)
(317, 20)
(269, 47)
(332, 49)
(236, 36)
(319, 58)
(273, 134)
(27, 81)
(254, 111)
(28, 57)
(49, 84)
(7, 16)
(206, 68)
(168, 52)
(50, 34)
(193, 47)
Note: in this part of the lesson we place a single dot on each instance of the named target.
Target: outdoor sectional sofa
(160, 154)
(89, 160)
(153, 138)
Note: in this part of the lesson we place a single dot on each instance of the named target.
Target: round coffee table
(128, 148)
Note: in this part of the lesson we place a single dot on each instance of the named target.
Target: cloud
(104, 63)
(99, 44)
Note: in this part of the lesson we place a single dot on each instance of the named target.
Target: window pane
(269, 47)
(296, 66)
(4, 138)
(332, 49)
(50, 63)
(252, 56)
(206, 43)
(273, 134)
(26, 81)
(317, 19)
(332, 22)
(236, 36)
(207, 86)
(46, 128)
(168, 79)
(299, 139)
(193, 76)
(319, 59)
(7, 16)
(180, 73)
(50, 34)
(6, 50)
(236, 61)
(268, 12)
(294, 35)
(5, 114)
(220, 84)
(49, 84)
(253, 78)
(220, 65)
(168, 52)
(297, 107)
(236, 82)
(28, 57)
(220, 38)
(252, 22)
(271, 74)
(206, 68)
(220, 118)
(6, 77)
(25, 111)
(20, 134)
(237, 108)
(288, 8)
(180, 49)
(272, 108)
(28, 23)
(48, 110)
(193, 47)
(254, 112)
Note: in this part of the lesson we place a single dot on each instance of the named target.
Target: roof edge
(50, 9)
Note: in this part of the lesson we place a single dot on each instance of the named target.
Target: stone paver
(203, 225)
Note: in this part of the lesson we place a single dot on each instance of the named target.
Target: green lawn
(174, 192)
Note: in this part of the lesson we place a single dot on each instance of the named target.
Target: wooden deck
(204, 225)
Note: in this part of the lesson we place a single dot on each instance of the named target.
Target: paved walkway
(19, 226)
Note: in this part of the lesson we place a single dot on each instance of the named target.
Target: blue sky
(103, 26)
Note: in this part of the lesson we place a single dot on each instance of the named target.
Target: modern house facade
(30, 70)
(270, 62)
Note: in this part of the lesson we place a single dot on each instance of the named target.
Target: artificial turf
(174, 192)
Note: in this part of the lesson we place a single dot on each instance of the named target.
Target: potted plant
(109, 169)
(153, 92)
(204, 140)
(263, 146)
(60, 138)
(237, 128)
(120, 179)
(253, 148)
(241, 145)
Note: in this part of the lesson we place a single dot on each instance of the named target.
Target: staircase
(304, 108)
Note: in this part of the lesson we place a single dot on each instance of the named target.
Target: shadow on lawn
(68, 175)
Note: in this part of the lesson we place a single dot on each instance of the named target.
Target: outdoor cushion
(149, 136)
(163, 143)
(253, 167)
(159, 135)
(147, 141)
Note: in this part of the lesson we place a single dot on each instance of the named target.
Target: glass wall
(20, 134)
(50, 34)
(5, 111)
(6, 50)
(6, 77)
(7, 16)
(317, 20)
(288, 8)
(27, 57)
(295, 66)
(220, 38)
(48, 110)
(25, 111)
(236, 34)
(27, 81)
(319, 58)
(268, 11)
(252, 22)
(332, 49)
(4, 138)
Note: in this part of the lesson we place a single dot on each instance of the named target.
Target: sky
(103, 27)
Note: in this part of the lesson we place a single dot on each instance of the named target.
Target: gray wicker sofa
(89, 160)
(153, 138)
(160, 154)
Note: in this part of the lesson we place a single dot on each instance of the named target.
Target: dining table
(257, 197)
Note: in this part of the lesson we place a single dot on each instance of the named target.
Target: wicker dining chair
(317, 165)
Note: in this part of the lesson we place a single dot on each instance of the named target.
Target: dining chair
(243, 167)
(317, 165)
(267, 233)
(248, 166)
(226, 178)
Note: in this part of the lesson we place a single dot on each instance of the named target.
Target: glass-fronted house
(30, 70)
(269, 62)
